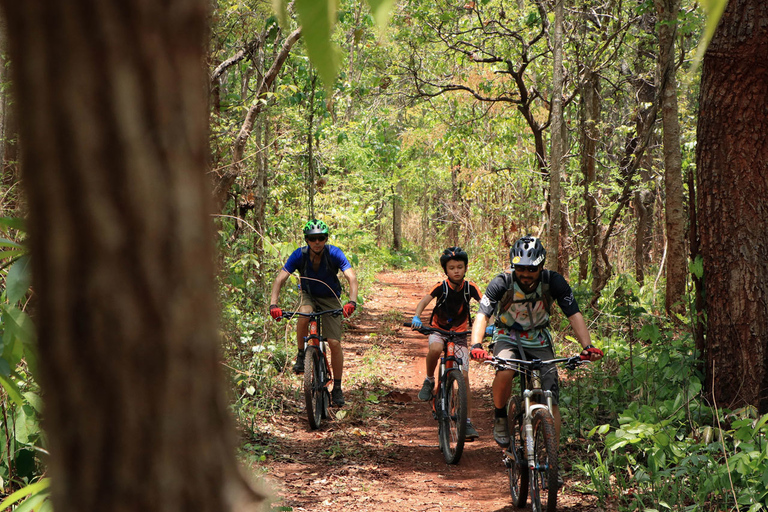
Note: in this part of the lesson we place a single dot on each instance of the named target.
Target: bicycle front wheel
(452, 416)
(516, 461)
(544, 476)
(314, 386)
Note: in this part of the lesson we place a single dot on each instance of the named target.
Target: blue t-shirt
(323, 273)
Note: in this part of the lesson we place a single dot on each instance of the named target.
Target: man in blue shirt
(318, 264)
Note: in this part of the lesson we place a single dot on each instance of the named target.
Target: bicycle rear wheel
(516, 461)
(452, 416)
(544, 477)
(314, 386)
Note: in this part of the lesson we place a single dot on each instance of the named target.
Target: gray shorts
(460, 350)
(330, 326)
(549, 378)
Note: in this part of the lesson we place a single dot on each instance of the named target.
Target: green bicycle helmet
(315, 227)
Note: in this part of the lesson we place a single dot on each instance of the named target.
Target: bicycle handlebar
(332, 312)
(514, 364)
(429, 330)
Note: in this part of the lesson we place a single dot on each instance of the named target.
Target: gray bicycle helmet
(527, 251)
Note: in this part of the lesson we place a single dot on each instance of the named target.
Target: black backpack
(444, 297)
(508, 298)
(332, 267)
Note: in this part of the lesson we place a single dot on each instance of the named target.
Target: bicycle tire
(314, 387)
(543, 482)
(517, 469)
(453, 419)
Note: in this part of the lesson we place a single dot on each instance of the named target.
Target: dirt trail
(384, 456)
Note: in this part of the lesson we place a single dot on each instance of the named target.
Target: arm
(478, 329)
(423, 304)
(351, 277)
(581, 331)
(478, 332)
(280, 280)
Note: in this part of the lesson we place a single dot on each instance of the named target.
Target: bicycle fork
(530, 409)
(314, 339)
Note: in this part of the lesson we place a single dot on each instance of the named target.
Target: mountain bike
(318, 375)
(531, 458)
(449, 404)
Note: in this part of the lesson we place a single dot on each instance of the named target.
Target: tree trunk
(732, 163)
(397, 216)
(590, 114)
(677, 269)
(224, 179)
(556, 159)
(452, 234)
(115, 153)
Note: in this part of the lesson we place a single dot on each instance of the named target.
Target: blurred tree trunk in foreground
(112, 110)
(732, 163)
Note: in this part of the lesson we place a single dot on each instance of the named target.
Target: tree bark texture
(732, 162)
(677, 268)
(558, 144)
(397, 216)
(113, 115)
(589, 116)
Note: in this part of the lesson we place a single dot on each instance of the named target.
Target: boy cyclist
(318, 264)
(451, 313)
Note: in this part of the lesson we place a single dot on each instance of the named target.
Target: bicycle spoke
(543, 484)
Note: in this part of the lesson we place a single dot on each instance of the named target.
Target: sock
(431, 379)
(336, 383)
(500, 413)
(469, 420)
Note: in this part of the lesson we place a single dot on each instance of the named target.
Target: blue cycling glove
(416, 322)
(490, 330)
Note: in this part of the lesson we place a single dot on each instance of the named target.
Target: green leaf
(281, 9)
(714, 10)
(25, 491)
(32, 502)
(317, 19)
(18, 280)
(11, 254)
(4, 242)
(12, 223)
(13, 392)
(381, 10)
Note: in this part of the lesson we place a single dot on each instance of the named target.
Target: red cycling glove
(276, 312)
(478, 353)
(589, 349)
(349, 308)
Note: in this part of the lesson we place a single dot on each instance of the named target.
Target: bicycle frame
(449, 405)
(536, 425)
(318, 374)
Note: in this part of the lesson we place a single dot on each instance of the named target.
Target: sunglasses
(527, 268)
(321, 238)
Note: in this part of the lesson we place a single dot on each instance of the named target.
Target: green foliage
(20, 432)
(317, 18)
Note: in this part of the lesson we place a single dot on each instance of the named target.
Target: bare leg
(337, 358)
(433, 356)
(502, 388)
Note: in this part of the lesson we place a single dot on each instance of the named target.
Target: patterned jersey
(522, 316)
